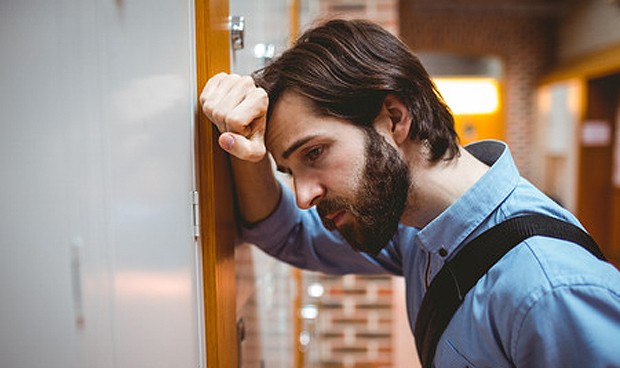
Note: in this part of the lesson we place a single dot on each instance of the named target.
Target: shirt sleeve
(299, 238)
(570, 326)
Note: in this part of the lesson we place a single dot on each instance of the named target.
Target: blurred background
(112, 252)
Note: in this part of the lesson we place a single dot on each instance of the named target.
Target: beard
(379, 202)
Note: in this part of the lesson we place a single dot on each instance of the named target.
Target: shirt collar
(457, 222)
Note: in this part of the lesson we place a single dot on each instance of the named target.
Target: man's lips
(336, 217)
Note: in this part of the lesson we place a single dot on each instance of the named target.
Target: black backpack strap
(458, 275)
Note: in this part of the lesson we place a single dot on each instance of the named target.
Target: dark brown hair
(347, 68)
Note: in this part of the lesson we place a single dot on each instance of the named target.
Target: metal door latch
(237, 28)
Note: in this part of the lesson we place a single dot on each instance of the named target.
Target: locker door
(43, 153)
(147, 102)
(98, 260)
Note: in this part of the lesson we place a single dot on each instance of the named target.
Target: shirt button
(443, 252)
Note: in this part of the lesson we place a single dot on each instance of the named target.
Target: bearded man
(381, 185)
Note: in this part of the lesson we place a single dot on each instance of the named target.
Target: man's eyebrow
(300, 142)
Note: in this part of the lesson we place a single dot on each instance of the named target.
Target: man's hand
(239, 111)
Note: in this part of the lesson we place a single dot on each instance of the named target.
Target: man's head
(342, 103)
(347, 68)
(356, 176)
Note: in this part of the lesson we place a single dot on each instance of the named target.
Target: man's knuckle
(207, 109)
(218, 116)
(208, 103)
(260, 94)
(247, 80)
(264, 99)
(259, 99)
(234, 121)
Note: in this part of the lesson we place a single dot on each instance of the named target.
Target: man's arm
(258, 191)
(238, 109)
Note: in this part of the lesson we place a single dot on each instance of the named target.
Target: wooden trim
(294, 19)
(217, 223)
(606, 61)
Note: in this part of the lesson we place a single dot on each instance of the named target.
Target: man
(382, 185)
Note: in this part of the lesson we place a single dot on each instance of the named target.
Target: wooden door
(614, 251)
(217, 223)
(595, 205)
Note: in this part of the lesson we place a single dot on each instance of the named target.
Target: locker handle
(76, 283)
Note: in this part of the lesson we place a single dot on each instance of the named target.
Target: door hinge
(196, 214)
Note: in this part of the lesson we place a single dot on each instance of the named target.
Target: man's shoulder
(547, 262)
(536, 268)
(564, 263)
(541, 267)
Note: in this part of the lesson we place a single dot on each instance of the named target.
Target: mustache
(332, 205)
(327, 206)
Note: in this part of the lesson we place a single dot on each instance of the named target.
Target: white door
(98, 264)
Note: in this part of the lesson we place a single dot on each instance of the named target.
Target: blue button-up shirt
(547, 303)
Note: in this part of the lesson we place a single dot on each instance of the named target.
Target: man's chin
(362, 243)
(356, 237)
(329, 224)
(372, 249)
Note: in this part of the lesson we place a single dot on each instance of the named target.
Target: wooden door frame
(217, 220)
(586, 69)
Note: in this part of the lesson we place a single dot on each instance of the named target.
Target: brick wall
(519, 33)
(353, 327)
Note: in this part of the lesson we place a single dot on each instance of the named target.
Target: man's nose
(308, 192)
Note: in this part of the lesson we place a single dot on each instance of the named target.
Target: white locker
(98, 262)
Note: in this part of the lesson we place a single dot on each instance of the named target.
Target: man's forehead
(291, 113)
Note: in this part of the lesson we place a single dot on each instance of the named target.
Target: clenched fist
(239, 111)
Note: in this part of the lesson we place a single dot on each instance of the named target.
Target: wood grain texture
(217, 220)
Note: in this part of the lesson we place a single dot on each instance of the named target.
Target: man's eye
(314, 153)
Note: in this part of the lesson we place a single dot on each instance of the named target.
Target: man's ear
(400, 118)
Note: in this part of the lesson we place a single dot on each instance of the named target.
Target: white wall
(98, 264)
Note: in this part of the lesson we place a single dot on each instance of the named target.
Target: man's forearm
(258, 191)
(238, 108)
